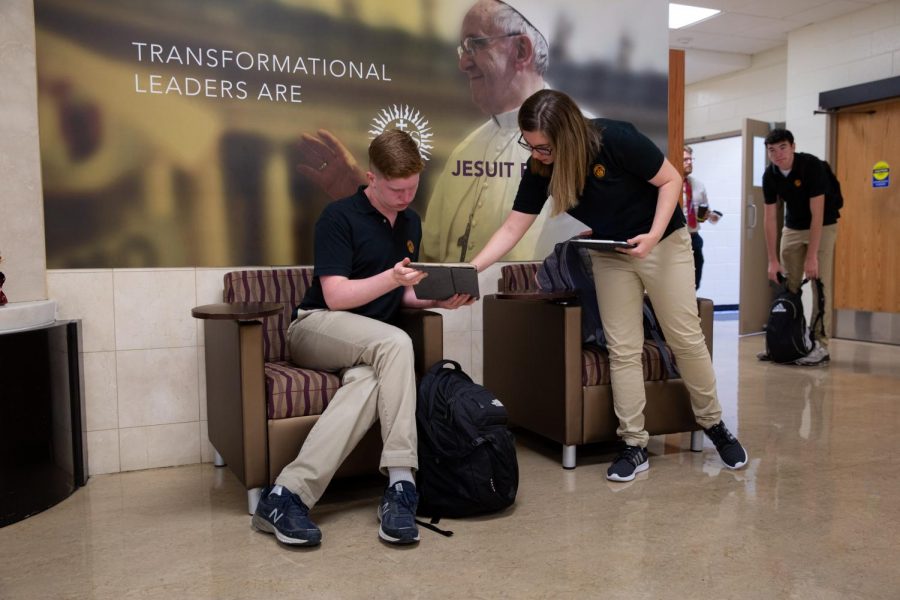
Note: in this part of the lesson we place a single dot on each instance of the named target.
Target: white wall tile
(860, 24)
(159, 446)
(458, 347)
(153, 308)
(477, 373)
(885, 41)
(134, 448)
(873, 68)
(487, 284)
(207, 452)
(157, 386)
(201, 380)
(177, 444)
(101, 401)
(210, 284)
(724, 111)
(720, 104)
(103, 451)
(86, 295)
(456, 320)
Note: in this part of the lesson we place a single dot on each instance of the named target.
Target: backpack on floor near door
(787, 336)
(467, 456)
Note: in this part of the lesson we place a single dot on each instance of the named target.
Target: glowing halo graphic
(405, 118)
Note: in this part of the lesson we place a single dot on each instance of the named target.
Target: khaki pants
(668, 276)
(794, 243)
(378, 383)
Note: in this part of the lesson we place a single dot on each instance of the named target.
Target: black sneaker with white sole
(282, 513)
(397, 513)
(630, 461)
(729, 448)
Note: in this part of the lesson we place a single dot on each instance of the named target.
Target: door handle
(751, 214)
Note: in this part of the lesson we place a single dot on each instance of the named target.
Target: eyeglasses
(542, 150)
(470, 44)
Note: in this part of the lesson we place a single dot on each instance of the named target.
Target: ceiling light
(682, 15)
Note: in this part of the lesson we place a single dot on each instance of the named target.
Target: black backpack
(467, 456)
(568, 268)
(787, 337)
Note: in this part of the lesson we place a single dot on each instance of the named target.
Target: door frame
(755, 292)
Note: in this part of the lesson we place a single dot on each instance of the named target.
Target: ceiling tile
(751, 26)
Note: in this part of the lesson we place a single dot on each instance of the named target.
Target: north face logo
(496, 402)
(779, 308)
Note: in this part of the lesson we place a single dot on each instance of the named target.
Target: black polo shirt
(618, 201)
(356, 241)
(806, 180)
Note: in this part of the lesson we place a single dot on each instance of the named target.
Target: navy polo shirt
(618, 201)
(806, 180)
(356, 241)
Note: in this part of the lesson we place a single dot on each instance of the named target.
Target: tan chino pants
(667, 274)
(378, 383)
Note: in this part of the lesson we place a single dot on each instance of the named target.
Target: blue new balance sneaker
(283, 513)
(397, 513)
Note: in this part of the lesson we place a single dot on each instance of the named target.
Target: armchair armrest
(236, 397)
(426, 329)
(532, 361)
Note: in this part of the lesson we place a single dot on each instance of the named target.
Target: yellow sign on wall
(881, 174)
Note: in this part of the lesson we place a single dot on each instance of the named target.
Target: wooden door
(867, 254)
(755, 294)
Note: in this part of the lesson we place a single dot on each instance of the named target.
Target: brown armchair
(553, 385)
(260, 405)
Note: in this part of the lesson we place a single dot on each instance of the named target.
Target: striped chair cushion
(295, 392)
(271, 285)
(595, 364)
(519, 277)
(291, 391)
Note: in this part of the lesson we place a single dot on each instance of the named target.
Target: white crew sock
(400, 474)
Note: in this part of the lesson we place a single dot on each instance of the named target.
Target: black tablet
(607, 245)
(446, 279)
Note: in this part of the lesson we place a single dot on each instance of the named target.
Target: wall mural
(179, 134)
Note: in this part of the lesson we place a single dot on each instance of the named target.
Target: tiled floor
(815, 515)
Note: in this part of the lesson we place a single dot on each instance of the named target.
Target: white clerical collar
(507, 120)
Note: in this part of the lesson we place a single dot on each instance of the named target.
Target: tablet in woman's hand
(602, 244)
